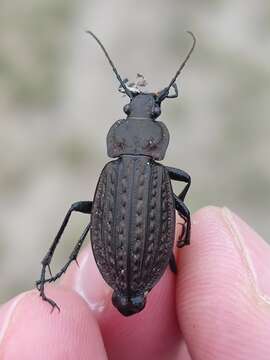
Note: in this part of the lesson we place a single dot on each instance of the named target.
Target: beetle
(133, 211)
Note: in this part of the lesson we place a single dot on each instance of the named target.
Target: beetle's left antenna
(127, 91)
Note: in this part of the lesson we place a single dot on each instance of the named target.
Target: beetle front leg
(180, 175)
(82, 207)
(184, 214)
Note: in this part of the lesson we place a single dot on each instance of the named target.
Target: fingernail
(88, 283)
(240, 243)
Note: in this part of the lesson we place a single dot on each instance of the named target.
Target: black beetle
(133, 212)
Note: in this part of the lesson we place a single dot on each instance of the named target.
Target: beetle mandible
(133, 211)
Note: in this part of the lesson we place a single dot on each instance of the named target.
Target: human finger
(29, 330)
(224, 278)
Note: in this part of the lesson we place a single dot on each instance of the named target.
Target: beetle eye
(156, 111)
(126, 109)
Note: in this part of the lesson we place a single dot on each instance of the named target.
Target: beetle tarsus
(40, 285)
(185, 215)
(184, 238)
(182, 234)
(50, 301)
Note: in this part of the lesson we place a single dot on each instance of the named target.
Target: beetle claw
(50, 301)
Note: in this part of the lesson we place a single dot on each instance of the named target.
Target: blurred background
(59, 97)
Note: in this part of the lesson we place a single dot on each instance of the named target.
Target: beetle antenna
(163, 94)
(112, 64)
(185, 61)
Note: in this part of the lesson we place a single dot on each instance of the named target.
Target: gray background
(59, 98)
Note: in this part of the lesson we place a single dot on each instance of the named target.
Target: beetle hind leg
(82, 207)
(72, 257)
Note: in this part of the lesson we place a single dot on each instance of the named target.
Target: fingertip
(34, 332)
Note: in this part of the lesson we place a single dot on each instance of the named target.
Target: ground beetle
(133, 212)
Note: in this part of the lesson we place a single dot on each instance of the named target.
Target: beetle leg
(72, 257)
(82, 207)
(172, 264)
(185, 214)
(180, 175)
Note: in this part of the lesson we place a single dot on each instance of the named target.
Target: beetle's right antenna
(127, 91)
(185, 61)
(164, 93)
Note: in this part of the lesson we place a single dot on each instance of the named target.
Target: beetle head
(143, 105)
(128, 306)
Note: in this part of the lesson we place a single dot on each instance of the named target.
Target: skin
(217, 307)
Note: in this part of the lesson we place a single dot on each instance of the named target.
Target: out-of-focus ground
(59, 97)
